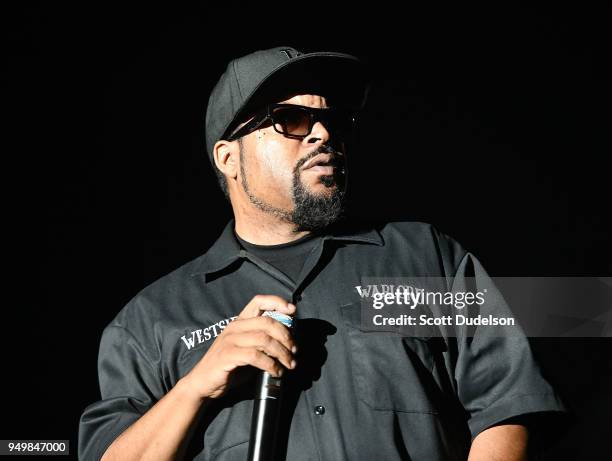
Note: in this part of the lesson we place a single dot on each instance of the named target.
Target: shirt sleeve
(496, 374)
(129, 386)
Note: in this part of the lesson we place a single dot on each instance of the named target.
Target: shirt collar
(227, 250)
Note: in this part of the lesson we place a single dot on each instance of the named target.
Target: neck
(263, 228)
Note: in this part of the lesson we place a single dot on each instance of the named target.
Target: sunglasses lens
(292, 121)
(296, 121)
(338, 120)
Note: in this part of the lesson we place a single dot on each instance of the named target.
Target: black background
(491, 122)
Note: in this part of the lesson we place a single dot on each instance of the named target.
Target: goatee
(314, 212)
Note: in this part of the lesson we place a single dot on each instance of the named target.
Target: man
(176, 364)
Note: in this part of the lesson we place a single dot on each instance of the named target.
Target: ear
(226, 157)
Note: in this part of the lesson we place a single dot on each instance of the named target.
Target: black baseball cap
(265, 76)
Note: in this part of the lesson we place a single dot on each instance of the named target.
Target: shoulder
(178, 296)
(409, 231)
(153, 304)
(421, 241)
(420, 235)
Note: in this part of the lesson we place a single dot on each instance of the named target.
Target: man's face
(299, 180)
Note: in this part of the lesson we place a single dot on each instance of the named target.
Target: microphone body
(266, 408)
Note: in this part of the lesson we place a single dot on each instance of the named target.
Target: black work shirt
(355, 395)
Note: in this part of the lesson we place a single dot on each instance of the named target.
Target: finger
(257, 359)
(271, 327)
(261, 303)
(261, 341)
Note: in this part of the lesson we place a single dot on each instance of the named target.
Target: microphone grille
(285, 319)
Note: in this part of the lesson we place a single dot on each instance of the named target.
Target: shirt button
(319, 410)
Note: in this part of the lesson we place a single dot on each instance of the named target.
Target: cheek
(276, 166)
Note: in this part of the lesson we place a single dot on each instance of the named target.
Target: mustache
(337, 157)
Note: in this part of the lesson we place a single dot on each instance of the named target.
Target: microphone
(266, 407)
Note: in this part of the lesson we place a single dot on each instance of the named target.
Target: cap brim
(341, 78)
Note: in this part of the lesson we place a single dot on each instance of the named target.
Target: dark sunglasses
(295, 121)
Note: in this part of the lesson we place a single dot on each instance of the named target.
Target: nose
(318, 135)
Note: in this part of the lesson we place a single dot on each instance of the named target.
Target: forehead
(310, 100)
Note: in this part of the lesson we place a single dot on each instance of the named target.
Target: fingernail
(294, 349)
(280, 372)
(293, 364)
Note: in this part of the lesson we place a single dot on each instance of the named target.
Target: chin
(320, 188)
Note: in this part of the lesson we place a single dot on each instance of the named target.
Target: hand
(250, 339)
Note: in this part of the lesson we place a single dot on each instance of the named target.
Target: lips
(320, 163)
(322, 169)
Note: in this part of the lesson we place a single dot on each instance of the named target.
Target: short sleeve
(129, 386)
(496, 375)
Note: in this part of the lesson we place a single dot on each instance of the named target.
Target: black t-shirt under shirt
(289, 258)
